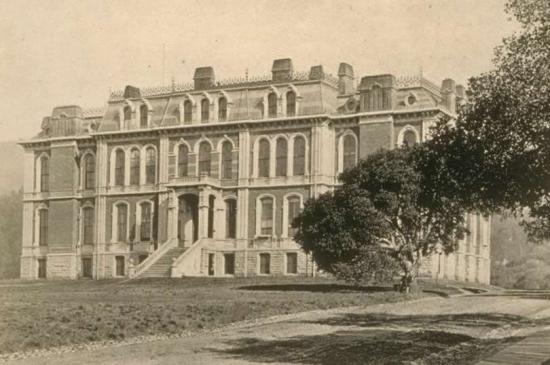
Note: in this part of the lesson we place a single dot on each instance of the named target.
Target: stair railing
(154, 257)
(192, 254)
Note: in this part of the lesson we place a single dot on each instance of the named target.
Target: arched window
(119, 167)
(266, 224)
(281, 157)
(88, 225)
(143, 116)
(263, 158)
(205, 110)
(89, 172)
(299, 158)
(293, 209)
(134, 167)
(222, 109)
(127, 113)
(122, 222)
(227, 160)
(150, 165)
(272, 105)
(44, 173)
(231, 218)
(145, 222)
(409, 138)
(350, 152)
(187, 111)
(291, 103)
(43, 227)
(183, 160)
(204, 158)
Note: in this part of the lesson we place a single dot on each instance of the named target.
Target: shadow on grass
(318, 288)
(466, 320)
(362, 347)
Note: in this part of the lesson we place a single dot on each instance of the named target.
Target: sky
(56, 52)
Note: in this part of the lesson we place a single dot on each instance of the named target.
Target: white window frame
(114, 221)
(285, 210)
(138, 220)
(259, 216)
(341, 149)
(405, 129)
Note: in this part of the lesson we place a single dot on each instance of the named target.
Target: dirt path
(477, 316)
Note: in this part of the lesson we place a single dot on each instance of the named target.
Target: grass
(43, 314)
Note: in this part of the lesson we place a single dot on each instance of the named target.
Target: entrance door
(87, 267)
(188, 219)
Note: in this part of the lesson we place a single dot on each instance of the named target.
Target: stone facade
(205, 178)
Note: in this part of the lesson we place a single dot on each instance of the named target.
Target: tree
(10, 233)
(385, 211)
(497, 153)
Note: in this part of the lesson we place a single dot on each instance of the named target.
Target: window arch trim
(403, 131)
(114, 213)
(285, 210)
(341, 148)
(291, 153)
(83, 170)
(38, 169)
(139, 219)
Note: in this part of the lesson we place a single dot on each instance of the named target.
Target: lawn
(43, 314)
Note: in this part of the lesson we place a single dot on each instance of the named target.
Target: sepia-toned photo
(307, 182)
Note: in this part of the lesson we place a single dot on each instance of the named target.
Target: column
(203, 212)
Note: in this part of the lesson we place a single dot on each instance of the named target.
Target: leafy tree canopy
(497, 154)
(385, 212)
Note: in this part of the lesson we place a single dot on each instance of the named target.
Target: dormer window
(222, 109)
(272, 105)
(187, 112)
(143, 114)
(205, 110)
(291, 103)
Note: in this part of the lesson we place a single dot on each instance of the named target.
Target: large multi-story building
(205, 178)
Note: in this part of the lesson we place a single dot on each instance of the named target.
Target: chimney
(461, 97)
(316, 73)
(131, 92)
(204, 78)
(345, 79)
(448, 94)
(282, 70)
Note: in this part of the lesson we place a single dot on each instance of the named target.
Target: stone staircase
(161, 268)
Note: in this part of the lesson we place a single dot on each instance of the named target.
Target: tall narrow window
(222, 109)
(134, 167)
(266, 227)
(183, 160)
(263, 158)
(41, 268)
(265, 263)
(119, 167)
(150, 165)
(272, 105)
(231, 218)
(143, 116)
(205, 110)
(43, 227)
(299, 162)
(350, 152)
(294, 208)
(281, 155)
(127, 113)
(229, 263)
(122, 222)
(211, 201)
(89, 172)
(145, 221)
(227, 160)
(204, 158)
(409, 138)
(88, 226)
(120, 270)
(291, 103)
(44, 173)
(187, 112)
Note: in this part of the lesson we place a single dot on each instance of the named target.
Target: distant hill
(11, 167)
